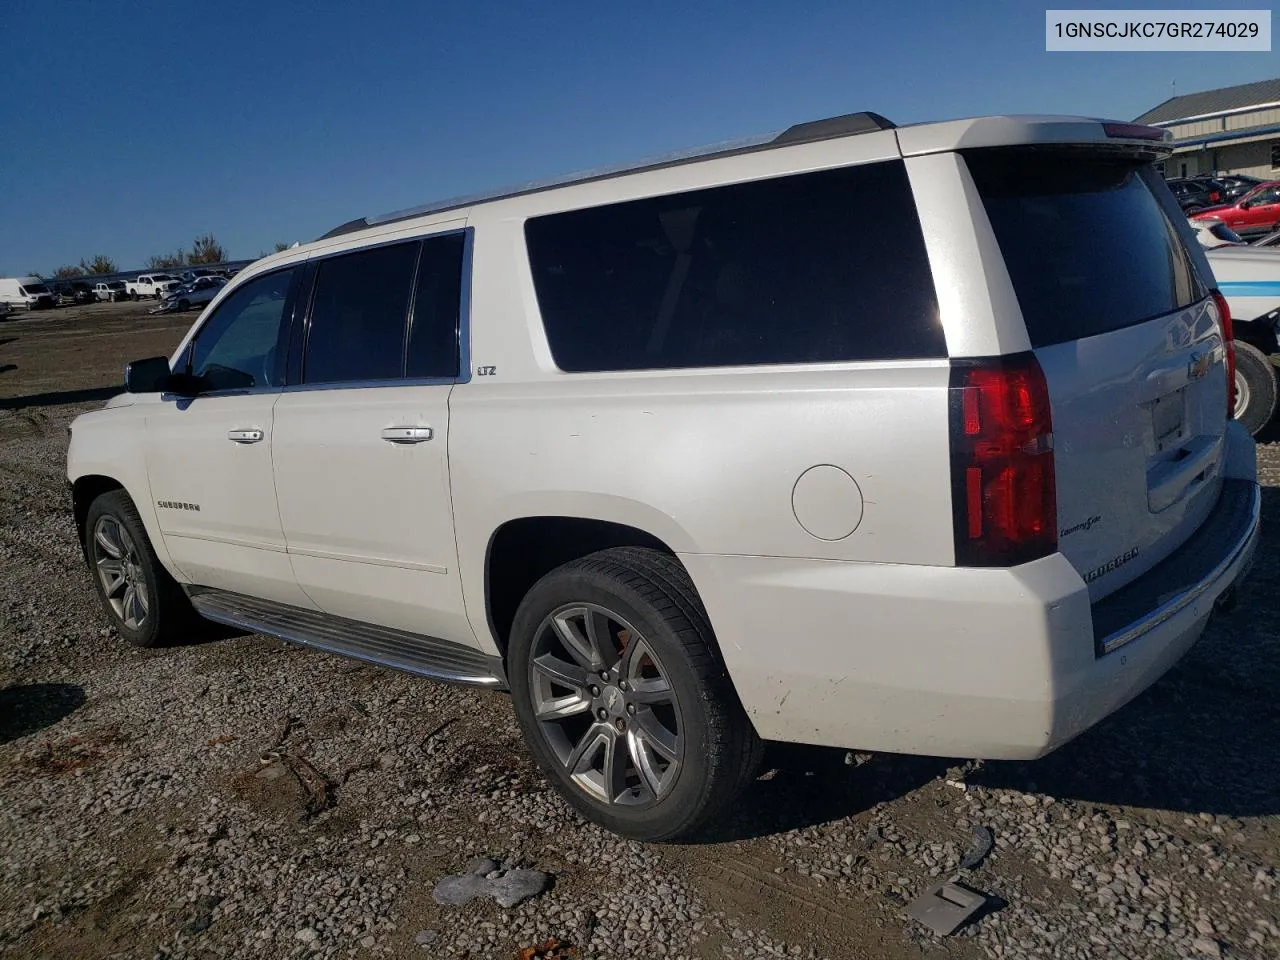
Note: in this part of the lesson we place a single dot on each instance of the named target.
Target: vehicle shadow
(59, 397)
(26, 708)
(1201, 740)
(807, 786)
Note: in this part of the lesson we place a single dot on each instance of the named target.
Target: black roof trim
(850, 124)
(845, 126)
(351, 226)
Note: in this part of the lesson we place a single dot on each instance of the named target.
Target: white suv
(689, 459)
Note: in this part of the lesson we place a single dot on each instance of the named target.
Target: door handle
(244, 436)
(406, 434)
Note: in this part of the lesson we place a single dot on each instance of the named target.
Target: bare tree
(67, 272)
(99, 264)
(206, 250)
(167, 261)
(281, 247)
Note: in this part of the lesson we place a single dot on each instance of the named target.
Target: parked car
(1235, 185)
(151, 285)
(650, 456)
(1249, 279)
(196, 293)
(1214, 233)
(189, 275)
(26, 293)
(110, 290)
(1215, 190)
(1191, 196)
(1257, 212)
(73, 293)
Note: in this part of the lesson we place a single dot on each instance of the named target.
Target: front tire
(134, 295)
(1256, 388)
(623, 698)
(184, 305)
(144, 603)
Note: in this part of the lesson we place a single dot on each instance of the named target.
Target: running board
(384, 646)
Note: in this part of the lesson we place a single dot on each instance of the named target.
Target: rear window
(812, 268)
(1088, 244)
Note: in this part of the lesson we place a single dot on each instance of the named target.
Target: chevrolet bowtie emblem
(1199, 366)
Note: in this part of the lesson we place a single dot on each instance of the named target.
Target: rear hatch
(1123, 326)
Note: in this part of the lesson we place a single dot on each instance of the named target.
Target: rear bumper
(961, 662)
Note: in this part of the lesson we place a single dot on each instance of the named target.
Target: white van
(29, 293)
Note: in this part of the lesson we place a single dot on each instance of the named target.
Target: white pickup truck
(1249, 278)
(151, 285)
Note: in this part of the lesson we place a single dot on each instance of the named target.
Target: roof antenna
(1173, 85)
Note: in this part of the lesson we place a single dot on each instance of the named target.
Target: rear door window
(1089, 246)
(437, 309)
(358, 315)
(812, 268)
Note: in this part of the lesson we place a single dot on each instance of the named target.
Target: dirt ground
(239, 797)
(76, 353)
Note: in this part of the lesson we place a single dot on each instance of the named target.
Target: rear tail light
(1003, 489)
(1229, 345)
(1214, 196)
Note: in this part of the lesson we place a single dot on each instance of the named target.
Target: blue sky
(129, 128)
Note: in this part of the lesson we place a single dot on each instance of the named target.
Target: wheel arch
(91, 484)
(522, 550)
(85, 490)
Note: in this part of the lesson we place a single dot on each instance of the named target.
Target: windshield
(35, 288)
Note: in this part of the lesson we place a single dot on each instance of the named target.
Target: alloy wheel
(605, 705)
(119, 565)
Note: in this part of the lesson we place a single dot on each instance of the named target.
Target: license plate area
(1168, 421)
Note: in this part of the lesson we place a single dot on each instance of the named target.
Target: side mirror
(147, 376)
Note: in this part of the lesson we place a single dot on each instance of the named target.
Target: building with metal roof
(1228, 130)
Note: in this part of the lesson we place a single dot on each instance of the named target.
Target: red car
(1258, 211)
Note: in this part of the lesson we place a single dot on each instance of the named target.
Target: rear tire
(1256, 388)
(625, 631)
(144, 603)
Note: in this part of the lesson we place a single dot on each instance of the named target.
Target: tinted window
(1266, 196)
(1087, 243)
(238, 347)
(358, 315)
(433, 337)
(811, 268)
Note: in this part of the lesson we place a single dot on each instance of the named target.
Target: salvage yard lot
(239, 797)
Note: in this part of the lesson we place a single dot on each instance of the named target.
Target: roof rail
(850, 124)
(845, 126)
(351, 226)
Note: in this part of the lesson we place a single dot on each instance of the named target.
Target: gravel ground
(238, 797)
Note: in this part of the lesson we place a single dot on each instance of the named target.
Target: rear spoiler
(1018, 131)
